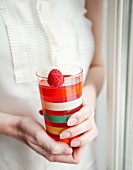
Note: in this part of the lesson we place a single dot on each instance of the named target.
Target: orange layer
(54, 130)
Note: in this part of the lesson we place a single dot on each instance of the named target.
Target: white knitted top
(35, 34)
(46, 32)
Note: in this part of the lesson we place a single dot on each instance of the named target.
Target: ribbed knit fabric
(29, 43)
(45, 32)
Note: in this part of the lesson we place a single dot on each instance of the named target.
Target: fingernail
(67, 151)
(72, 121)
(75, 143)
(64, 135)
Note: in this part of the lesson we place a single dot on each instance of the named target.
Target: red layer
(62, 91)
(61, 113)
(55, 124)
(60, 99)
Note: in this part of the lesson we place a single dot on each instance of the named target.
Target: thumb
(52, 146)
(57, 147)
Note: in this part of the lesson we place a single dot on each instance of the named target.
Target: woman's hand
(30, 132)
(83, 124)
(33, 134)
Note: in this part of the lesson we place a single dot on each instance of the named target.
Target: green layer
(57, 119)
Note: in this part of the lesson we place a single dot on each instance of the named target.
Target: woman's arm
(83, 121)
(95, 76)
(9, 124)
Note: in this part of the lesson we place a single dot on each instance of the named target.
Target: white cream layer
(62, 106)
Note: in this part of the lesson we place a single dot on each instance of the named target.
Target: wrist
(9, 124)
(90, 94)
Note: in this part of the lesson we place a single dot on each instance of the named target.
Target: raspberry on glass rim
(55, 78)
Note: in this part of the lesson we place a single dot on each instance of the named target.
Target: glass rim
(71, 76)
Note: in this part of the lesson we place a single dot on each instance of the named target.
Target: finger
(73, 158)
(41, 112)
(58, 147)
(52, 157)
(63, 158)
(84, 113)
(78, 129)
(39, 150)
(85, 138)
(77, 154)
(52, 146)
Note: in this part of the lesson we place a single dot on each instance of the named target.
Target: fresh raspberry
(55, 78)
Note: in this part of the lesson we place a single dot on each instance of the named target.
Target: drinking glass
(59, 103)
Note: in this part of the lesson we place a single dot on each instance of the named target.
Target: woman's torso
(58, 33)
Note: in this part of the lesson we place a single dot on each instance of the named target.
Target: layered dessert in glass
(61, 96)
